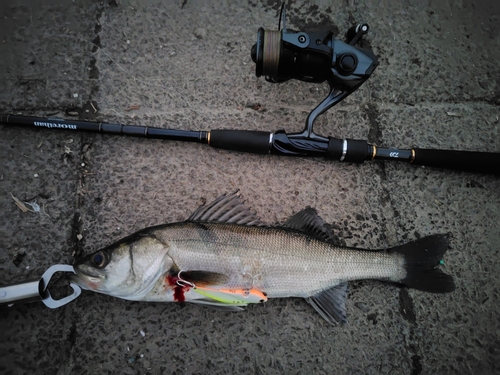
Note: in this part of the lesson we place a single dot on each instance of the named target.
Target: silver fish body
(277, 261)
(218, 249)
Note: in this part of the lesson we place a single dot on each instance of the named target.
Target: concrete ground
(186, 65)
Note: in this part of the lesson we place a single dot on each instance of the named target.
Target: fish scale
(284, 264)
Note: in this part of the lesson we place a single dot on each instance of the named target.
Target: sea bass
(224, 256)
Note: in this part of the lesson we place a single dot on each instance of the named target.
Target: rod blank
(101, 127)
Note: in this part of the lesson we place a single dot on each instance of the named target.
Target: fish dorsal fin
(309, 222)
(228, 209)
(330, 303)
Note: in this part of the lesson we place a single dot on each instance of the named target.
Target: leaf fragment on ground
(19, 204)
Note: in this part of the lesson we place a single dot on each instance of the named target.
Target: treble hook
(181, 282)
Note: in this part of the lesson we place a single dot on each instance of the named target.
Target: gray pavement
(186, 65)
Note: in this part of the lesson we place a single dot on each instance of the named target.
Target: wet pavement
(186, 65)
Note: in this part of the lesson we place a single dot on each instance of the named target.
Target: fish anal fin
(330, 303)
(227, 209)
(308, 221)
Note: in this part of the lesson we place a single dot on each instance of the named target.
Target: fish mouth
(88, 280)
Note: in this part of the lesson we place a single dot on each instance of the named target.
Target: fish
(224, 256)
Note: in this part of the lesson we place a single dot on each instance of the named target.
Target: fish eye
(99, 259)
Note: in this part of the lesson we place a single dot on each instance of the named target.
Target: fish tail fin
(421, 260)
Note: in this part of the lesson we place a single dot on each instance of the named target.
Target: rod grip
(257, 142)
(470, 161)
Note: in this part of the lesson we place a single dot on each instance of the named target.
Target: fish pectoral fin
(330, 304)
(217, 305)
(204, 278)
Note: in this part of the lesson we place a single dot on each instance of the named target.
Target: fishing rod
(316, 57)
(280, 143)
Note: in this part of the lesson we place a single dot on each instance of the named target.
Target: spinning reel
(314, 57)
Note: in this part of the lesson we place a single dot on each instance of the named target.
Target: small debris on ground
(20, 204)
(35, 206)
(132, 107)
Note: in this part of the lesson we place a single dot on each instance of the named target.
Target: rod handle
(470, 161)
(258, 142)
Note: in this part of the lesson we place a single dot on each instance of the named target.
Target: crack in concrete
(406, 306)
(375, 133)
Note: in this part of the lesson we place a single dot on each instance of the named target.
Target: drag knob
(346, 63)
